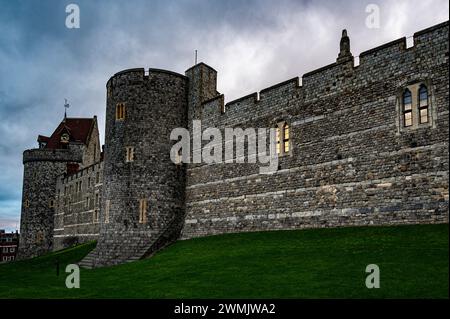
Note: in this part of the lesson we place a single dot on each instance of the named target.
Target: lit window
(26, 203)
(120, 111)
(407, 108)
(130, 154)
(423, 104)
(278, 139)
(282, 137)
(51, 203)
(142, 211)
(286, 137)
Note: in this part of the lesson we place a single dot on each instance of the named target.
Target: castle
(362, 144)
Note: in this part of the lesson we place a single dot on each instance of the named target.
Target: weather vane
(66, 106)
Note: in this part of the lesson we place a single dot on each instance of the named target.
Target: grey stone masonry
(359, 154)
(77, 207)
(142, 192)
(41, 170)
(351, 161)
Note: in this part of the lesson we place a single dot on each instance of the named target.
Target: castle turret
(73, 144)
(41, 169)
(143, 195)
(202, 87)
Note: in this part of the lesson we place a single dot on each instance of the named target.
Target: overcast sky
(252, 45)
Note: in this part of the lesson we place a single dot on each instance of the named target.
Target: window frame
(120, 111)
(129, 154)
(410, 110)
(283, 127)
(143, 205)
(423, 107)
(414, 87)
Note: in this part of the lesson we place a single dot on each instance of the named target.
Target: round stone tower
(41, 169)
(143, 190)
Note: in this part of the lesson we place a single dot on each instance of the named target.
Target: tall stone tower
(143, 190)
(72, 145)
(41, 169)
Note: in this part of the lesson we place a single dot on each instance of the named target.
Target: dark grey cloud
(252, 43)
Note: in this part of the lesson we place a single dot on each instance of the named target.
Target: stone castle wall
(77, 207)
(351, 161)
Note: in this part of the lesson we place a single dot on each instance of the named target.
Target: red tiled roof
(79, 130)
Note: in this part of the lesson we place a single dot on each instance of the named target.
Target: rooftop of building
(77, 129)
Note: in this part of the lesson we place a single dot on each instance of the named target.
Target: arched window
(286, 137)
(407, 108)
(423, 104)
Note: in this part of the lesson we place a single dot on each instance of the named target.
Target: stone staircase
(89, 260)
(165, 237)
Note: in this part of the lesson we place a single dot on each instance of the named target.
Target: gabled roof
(79, 130)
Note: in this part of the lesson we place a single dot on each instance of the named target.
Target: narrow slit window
(129, 154)
(407, 108)
(120, 111)
(143, 211)
(423, 104)
(107, 207)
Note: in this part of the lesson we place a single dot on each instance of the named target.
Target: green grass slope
(316, 263)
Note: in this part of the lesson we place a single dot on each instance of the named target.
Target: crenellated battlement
(52, 155)
(347, 158)
(96, 167)
(392, 57)
(140, 75)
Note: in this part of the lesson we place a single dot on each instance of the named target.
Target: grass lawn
(316, 263)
